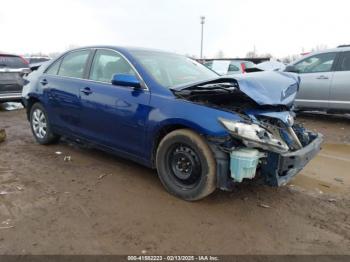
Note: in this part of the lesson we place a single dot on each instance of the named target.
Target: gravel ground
(101, 204)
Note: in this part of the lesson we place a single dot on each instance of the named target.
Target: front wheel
(40, 125)
(186, 165)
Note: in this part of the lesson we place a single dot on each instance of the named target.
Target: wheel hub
(185, 164)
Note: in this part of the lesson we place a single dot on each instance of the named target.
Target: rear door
(340, 88)
(62, 83)
(316, 73)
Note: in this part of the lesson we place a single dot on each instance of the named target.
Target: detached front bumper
(279, 169)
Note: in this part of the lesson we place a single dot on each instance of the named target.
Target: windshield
(172, 70)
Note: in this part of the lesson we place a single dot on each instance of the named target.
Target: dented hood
(265, 88)
(270, 88)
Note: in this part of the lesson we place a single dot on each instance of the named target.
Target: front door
(114, 116)
(316, 73)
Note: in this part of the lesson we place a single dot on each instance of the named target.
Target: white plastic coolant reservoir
(243, 163)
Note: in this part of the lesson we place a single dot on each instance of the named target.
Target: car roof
(122, 48)
(6, 54)
(337, 49)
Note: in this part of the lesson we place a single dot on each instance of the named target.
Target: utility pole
(202, 23)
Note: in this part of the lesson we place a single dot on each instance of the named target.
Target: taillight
(243, 68)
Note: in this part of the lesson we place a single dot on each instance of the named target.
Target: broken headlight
(253, 135)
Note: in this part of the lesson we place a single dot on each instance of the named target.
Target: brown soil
(101, 204)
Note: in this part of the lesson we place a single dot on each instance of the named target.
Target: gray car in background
(325, 80)
(12, 70)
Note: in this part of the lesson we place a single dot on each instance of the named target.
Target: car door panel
(64, 103)
(314, 90)
(316, 75)
(115, 116)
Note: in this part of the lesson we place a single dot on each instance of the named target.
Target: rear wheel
(186, 165)
(40, 125)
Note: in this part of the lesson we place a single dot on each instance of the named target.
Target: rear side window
(344, 62)
(73, 64)
(12, 62)
(108, 63)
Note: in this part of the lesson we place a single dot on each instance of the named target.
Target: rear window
(12, 62)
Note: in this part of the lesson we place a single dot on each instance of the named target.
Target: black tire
(44, 139)
(186, 165)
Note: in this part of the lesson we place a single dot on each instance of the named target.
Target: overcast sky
(233, 26)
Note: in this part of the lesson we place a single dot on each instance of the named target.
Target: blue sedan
(199, 130)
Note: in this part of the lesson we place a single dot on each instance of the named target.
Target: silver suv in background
(325, 80)
(12, 70)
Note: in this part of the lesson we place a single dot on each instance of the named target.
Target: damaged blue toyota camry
(199, 130)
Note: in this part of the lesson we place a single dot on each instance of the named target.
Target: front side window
(345, 62)
(53, 69)
(317, 63)
(108, 63)
(73, 64)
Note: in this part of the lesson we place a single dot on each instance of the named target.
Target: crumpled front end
(265, 141)
(271, 146)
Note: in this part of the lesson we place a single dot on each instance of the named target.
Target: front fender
(170, 111)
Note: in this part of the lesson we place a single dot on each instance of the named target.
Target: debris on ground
(338, 179)
(324, 185)
(263, 205)
(7, 227)
(67, 158)
(332, 200)
(58, 153)
(102, 176)
(2, 135)
(9, 106)
(2, 193)
(19, 188)
(6, 224)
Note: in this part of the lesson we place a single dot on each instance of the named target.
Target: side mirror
(292, 69)
(126, 80)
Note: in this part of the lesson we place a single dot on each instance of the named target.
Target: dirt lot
(100, 204)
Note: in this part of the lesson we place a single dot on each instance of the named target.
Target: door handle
(322, 77)
(44, 82)
(87, 91)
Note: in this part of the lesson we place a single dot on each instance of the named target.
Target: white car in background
(229, 67)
